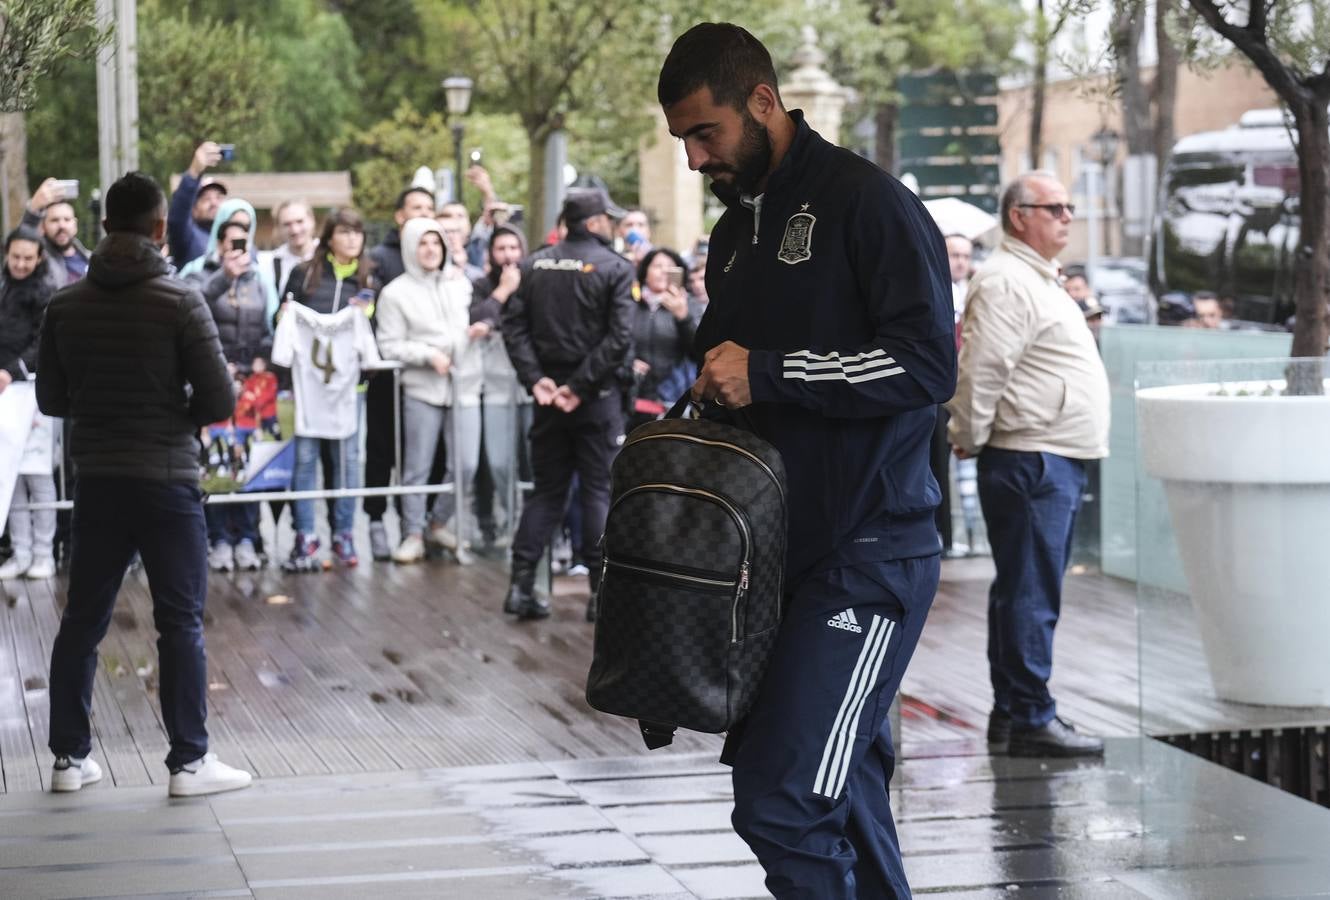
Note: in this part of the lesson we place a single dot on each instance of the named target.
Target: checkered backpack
(691, 594)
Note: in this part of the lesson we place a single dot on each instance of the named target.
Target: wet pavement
(1147, 822)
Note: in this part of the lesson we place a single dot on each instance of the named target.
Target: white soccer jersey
(325, 353)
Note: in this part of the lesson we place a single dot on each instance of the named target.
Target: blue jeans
(345, 474)
(163, 521)
(1029, 502)
(231, 523)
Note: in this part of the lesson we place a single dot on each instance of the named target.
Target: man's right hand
(962, 453)
(510, 279)
(440, 363)
(235, 263)
(544, 391)
(47, 193)
(479, 176)
(206, 156)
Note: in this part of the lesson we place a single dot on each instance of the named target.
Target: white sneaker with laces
(411, 550)
(42, 567)
(17, 565)
(207, 775)
(443, 537)
(246, 558)
(70, 774)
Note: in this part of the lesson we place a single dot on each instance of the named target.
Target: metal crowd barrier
(456, 487)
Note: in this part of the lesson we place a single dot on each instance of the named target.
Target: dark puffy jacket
(571, 317)
(328, 295)
(22, 304)
(240, 309)
(187, 240)
(131, 356)
(662, 342)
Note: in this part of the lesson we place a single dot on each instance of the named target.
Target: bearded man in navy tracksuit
(830, 324)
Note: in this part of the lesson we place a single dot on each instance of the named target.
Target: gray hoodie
(423, 313)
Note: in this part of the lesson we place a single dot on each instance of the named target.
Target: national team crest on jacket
(797, 244)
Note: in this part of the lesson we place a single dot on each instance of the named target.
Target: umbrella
(955, 216)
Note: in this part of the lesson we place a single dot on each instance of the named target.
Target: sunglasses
(1055, 209)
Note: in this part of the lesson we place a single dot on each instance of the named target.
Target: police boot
(521, 592)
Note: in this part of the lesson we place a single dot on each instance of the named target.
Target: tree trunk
(1042, 38)
(1128, 27)
(536, 226)
(1311, 288)
(884, 146)
(1165, 86)
(13, 169)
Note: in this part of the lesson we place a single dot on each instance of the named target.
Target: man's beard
(753, 159)
(62, 241)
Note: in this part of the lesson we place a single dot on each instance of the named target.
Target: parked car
(1227, 219)
(1122, 286)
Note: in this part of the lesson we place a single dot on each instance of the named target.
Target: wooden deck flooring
(399, 668)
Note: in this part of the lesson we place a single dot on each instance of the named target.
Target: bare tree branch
(1279, 77)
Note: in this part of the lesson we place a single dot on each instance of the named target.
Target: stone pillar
(809, 87)
(670, 193)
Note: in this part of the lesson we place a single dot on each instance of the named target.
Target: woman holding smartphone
(663, 327)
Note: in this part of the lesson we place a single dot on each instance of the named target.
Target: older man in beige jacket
(1032, 404)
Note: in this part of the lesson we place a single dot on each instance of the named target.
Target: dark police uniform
(570, 320)
(836, 281)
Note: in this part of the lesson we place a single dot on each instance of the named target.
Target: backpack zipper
(722, 444)
(738, 520)
(675, 576)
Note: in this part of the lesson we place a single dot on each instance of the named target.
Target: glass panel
(1233, 499)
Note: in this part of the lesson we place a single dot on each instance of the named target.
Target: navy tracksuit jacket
(836, 281)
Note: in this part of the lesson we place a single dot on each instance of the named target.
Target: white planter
(1248, 486)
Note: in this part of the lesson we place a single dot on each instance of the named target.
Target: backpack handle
(685, 408)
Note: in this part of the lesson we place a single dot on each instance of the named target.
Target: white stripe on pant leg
(843, 738)
(863, 699)
(865, 652)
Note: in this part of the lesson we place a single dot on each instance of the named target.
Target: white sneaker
(207, 775)
(221, 558)
(246, 559)
(439, 534)
(411, 550)
(70, 774)
(42, 567)
(16, 566)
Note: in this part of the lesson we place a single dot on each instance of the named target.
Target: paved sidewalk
(1149, 822)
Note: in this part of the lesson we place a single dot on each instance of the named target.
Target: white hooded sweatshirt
(423, 313)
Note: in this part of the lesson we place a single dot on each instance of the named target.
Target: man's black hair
(135, 203)
(417, 189)
(24, 233)
(720, 56)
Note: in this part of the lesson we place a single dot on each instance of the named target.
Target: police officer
(830, 324)
(567, 329)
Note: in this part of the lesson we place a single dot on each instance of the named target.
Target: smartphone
(475, 157)
(239, 243)
(675, 275)
(228, 152)
(69, 188)
(365, 295)
(501, 214)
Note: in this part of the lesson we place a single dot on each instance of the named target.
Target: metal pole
(459, 131)
(126, 84)
(456, 455)
(107, 119)
(1093, 173)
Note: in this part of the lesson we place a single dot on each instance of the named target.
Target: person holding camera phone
(51, 212)
(242, 299)
(195, 203)
(664, 323)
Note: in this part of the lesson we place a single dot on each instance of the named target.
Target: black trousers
(379, 455)
(583, 441)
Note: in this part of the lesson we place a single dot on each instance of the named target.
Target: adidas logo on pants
(846, 621)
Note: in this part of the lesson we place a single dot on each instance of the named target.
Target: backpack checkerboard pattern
(691, 595)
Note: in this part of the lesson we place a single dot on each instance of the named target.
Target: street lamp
(457, 93)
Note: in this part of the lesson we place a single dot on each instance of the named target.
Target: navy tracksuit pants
(813, 761)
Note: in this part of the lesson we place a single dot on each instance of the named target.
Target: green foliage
(204, 80)
(62, 127)
(36, 38)
(385, 156)
(313, 110)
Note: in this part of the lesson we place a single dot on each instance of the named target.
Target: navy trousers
(164, 522)
(1029, 502)
(813, 761)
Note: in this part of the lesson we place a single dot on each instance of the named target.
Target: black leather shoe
(517, 600)
(1057, 738)
(534, 606)
(999, 727)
